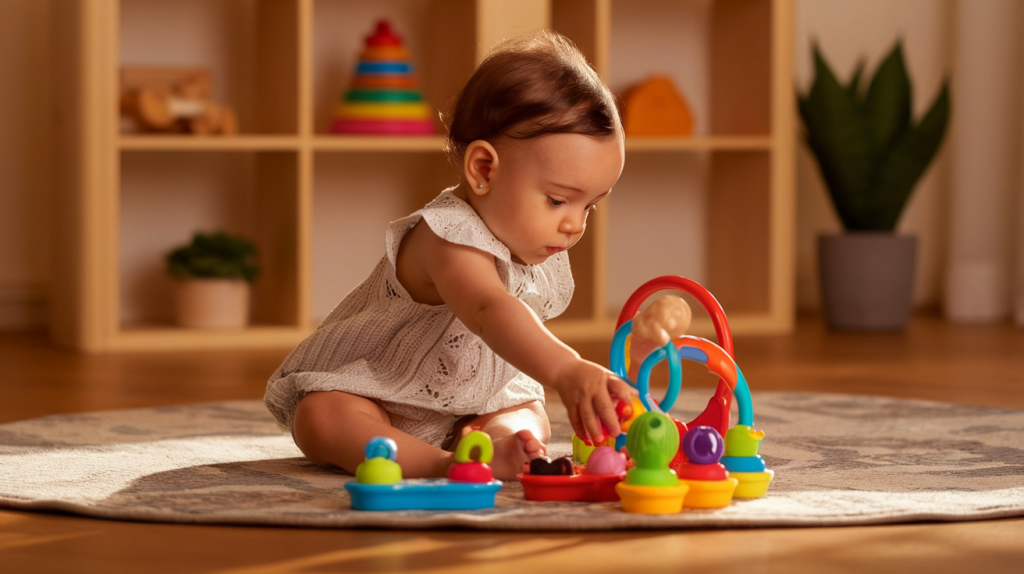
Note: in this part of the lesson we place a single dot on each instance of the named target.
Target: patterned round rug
(838, 460)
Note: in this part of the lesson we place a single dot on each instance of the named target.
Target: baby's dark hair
(527, 87)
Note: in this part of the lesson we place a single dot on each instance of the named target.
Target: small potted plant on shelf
(213, 275)
(871, 154)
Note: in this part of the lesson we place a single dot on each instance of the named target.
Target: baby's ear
(479, 165)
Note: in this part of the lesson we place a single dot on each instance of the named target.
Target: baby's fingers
(605, 410)
(576, 422)
(592, 422)
(620, 390)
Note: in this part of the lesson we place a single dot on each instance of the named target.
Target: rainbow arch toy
(741, 441)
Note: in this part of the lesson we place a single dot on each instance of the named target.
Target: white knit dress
(419, 362)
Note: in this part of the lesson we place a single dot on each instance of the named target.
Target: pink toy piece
(383, 127)
(605, 460)
(470, 472)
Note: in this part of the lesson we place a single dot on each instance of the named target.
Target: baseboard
(23, 306)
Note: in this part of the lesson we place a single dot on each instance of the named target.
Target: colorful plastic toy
(384, 98)
(709, 481)
(744, 464)
(741, 443)
(651, 487)
(594, 482)
(379, 484)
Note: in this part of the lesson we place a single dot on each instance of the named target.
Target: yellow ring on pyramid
(386, 53)
(382, 111)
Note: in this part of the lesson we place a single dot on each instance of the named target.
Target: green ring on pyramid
(382, 96)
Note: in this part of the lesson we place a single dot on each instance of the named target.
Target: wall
(847, 31)
(24, 141)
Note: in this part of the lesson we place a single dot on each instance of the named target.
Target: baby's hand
(590, 393)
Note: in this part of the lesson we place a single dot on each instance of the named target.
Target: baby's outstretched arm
(467, 280)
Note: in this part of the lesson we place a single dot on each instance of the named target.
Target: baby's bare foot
(513, 451)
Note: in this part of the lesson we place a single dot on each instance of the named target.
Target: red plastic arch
(717, 412)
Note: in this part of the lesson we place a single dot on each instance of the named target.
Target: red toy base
(383, 127)
(579, 487)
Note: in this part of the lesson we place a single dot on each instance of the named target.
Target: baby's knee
(324, 422)
(309, 429)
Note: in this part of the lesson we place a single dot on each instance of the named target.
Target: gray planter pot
(867, 279)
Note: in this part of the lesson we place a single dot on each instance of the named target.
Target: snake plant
(870, 150)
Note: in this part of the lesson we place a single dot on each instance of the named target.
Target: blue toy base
(424, 494)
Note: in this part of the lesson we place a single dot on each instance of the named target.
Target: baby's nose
(573, 224)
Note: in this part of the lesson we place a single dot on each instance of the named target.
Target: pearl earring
(481, 186)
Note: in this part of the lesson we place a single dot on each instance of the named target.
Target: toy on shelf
(560, 480)
(651, 487)
(172, 100)
(470, 486)
(656, 108)
(741, 459)
(384, 98)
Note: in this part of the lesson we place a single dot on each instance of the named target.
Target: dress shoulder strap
(453, 220)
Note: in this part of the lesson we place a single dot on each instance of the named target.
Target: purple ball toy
(703, 445)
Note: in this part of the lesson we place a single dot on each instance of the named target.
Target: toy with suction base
(743, 462)
(709, 482)
(379, 484)
(651, 487)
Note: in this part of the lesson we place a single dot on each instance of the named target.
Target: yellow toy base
(709, 493)
(752, 484)
(652, 499)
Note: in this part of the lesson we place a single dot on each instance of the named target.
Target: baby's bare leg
(520, 434)
(332, 428)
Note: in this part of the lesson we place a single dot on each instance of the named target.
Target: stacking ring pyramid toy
(385, 98)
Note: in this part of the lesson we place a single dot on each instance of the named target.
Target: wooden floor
(930, 360)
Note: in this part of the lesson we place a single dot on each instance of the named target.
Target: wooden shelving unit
(124, 195)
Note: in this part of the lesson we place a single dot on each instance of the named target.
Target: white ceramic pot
(213, 303)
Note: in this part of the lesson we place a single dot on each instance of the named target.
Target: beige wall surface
(847, 31)
(25, 169)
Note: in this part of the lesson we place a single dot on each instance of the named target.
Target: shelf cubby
(250, 47)
(167, 196)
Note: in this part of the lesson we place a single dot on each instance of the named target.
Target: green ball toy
(379, 471)
(652, 442)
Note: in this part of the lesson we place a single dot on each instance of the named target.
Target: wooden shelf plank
(208, 143)
(711, 143)
(604, 329)
(433, 143)
(169, 338)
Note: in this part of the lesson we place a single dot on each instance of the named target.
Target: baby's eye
(555, 202)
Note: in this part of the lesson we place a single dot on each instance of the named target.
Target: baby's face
(544, 189)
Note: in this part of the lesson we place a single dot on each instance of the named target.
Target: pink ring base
(383, 127)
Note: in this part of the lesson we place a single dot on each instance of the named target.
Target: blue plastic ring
(381, 447)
